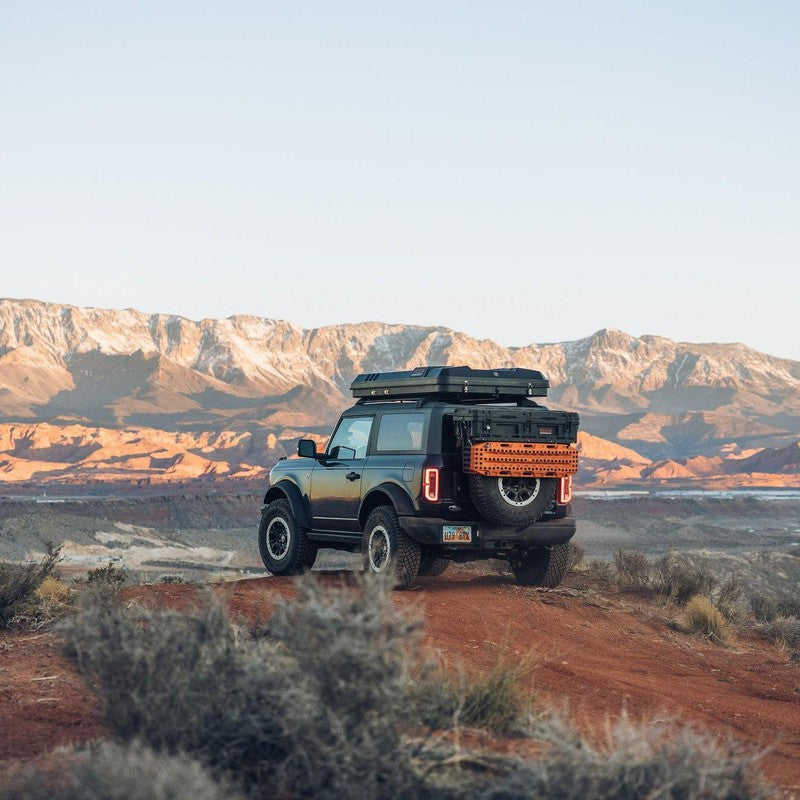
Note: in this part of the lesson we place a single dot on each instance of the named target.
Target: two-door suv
(433, 465)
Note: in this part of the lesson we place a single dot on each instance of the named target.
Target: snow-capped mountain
(63, 364)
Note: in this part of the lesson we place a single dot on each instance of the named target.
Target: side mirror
(307, 448)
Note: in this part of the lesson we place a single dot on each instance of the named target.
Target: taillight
(564, 493)
(430, 484)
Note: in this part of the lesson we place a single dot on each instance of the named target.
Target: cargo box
(471, 384)
(499, 424)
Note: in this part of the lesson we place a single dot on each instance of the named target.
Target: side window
(350, 438)
(400, 432)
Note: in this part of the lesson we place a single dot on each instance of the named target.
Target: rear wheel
(285, 548)
(386, 547)
(511, 500)
(431, 567)
(544, 566)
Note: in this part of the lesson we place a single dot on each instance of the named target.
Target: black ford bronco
(433, 465)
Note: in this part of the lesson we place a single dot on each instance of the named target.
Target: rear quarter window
(400, 433)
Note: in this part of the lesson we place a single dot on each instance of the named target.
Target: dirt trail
(43, 701)
(598, 658)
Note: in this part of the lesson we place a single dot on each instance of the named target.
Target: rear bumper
(428, 531)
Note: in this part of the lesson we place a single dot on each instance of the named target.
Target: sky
(520, 171)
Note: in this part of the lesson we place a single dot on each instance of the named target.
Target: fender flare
(399, 498)
(289, 490)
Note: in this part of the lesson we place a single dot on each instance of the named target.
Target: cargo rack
(457, 384)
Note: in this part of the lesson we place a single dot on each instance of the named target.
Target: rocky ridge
(129, 395)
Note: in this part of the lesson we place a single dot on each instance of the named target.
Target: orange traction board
(527, 459)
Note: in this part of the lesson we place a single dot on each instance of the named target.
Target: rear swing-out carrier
(522, 440)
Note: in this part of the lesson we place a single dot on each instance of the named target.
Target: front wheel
(285, 548)
(544, 566)
(386, 547)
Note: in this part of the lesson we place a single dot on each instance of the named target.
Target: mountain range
(120, 395)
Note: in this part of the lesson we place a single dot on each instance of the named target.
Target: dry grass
(702, 618)
(443, 697)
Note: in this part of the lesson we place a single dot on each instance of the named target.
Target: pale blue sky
(520, 171)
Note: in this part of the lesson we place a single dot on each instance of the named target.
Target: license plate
(456, 533)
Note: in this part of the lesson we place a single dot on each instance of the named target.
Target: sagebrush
(18, 585)
(112, 772)
(310, 705)
(637, 762)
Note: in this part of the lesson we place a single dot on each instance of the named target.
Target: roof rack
(457, 383)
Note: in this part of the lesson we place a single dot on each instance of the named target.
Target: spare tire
(511, 500)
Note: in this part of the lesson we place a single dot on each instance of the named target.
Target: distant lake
(726, 494)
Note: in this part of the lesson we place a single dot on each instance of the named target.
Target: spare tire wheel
(511, 500)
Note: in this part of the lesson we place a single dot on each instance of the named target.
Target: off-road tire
(402, 554)
(495, 508)
(544, 566)
(285, 547)
(431, 567)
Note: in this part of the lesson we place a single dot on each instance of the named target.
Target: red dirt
(43, 701)
(598, 658)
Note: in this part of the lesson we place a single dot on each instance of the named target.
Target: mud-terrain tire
(431, 567)
(544, 566)
(285, 547)
(511, 500)
(386, 546)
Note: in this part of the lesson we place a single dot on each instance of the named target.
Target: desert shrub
(172, 578)
(443, 698)
(52, 600)
(767, 607)
(19, 582)
(601, 574)
(575, 555)
(783, 631)
(704, 619)
(678, 580)
(110, 575)
(111, 772)
(310, 706)
(181, 682)
(352, 651)
(726, 598)
(632, 572)
(651, 760)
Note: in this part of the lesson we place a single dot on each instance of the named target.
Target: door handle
(352, 476)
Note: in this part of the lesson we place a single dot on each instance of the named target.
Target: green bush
(18, 585)
(111, 772)
(651, 760)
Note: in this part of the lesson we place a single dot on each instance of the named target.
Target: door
(337, 477)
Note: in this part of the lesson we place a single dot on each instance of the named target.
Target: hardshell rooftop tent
(510, 383)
